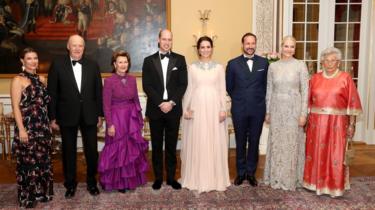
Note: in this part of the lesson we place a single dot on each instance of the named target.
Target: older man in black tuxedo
(75, 86)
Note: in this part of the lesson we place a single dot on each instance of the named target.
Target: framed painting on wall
(106, 25)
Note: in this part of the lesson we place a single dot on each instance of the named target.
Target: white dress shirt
(164, 66)
(77, 71)
(249, 63)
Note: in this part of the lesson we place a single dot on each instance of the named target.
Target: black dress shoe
(175, 185)
(70, 192)
(157, 184)
(93, 190)
(238, 181)
(122, 191)
(252, 181)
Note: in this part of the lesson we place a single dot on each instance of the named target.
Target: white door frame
(366, 69)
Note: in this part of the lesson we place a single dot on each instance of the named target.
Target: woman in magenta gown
(122, 163)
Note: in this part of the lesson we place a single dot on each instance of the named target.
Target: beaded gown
(286, 102)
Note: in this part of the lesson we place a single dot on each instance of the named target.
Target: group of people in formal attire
(309, 119)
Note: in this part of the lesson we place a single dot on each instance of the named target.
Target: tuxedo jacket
(68, 105)
(153, 86)
(246, 88)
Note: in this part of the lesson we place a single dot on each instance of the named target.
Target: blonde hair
(288, 37)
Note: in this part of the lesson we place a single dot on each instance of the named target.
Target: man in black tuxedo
(246, 81)
(164, 79)
(75, 86)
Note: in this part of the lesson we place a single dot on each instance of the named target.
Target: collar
(250, 57)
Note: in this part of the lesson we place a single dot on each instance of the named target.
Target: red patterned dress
(34, 167)
(331, 102)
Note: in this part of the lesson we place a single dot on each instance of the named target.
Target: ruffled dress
(123, 162)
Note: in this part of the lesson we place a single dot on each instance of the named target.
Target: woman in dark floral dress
(32, 134)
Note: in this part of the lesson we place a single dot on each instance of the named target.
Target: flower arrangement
(271, 56)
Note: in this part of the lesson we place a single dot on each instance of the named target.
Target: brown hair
(204, 38)
(248, 34)
(117, 54)
(27, 50)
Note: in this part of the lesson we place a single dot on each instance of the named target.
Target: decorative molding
(263, 25)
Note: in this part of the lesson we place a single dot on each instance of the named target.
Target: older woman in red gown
(333, 104)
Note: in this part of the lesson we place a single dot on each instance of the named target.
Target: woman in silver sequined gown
(286, 100)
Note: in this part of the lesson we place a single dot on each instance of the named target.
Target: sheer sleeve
(310, 90)
(107, 100)
(354, 106)
(186, 102)
(304, 88)
(269, 87)
(222, 89)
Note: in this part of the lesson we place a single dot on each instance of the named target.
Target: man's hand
(100, 122)
(166, 107)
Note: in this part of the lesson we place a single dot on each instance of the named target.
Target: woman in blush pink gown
(204, 149)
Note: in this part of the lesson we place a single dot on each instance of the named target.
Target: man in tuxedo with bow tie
(164, 79)
(75, 86)
(246, 81)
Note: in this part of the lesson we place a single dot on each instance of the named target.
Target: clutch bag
(349, 152)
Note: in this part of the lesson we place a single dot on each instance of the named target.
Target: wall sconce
(204, 17)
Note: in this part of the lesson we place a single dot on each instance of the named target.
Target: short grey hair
(330, 51)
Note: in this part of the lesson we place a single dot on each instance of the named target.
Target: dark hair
(248, 34)
(204, 38)
(117, 54)
(27, 50)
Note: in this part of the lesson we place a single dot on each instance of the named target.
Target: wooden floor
(364, 165)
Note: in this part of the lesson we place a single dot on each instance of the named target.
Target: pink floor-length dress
(204, 148)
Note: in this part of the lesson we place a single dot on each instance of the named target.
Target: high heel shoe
(44, 198)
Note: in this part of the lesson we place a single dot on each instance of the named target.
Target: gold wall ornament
(204, 17)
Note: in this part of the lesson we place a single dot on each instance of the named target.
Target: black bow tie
(247, 58)
(162, 56)
(74, 62)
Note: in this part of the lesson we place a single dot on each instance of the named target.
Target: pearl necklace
(325, 75)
